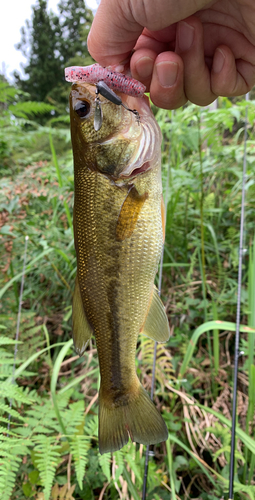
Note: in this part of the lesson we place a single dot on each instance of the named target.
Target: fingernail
(218, 61)
(167, 73)
(185, 36)
(144, 67)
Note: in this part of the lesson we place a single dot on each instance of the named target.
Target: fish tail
(136, 418)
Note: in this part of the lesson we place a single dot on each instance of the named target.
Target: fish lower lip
(138, 171)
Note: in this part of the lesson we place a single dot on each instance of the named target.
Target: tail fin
(138, 419)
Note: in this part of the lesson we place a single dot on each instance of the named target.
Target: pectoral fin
(129, 214)
(82, 330)
(156, 325)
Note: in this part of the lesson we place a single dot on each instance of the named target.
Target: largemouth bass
(118, 229)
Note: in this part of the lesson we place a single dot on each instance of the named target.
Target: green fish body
(118, 228)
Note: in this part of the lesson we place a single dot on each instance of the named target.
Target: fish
(119, 233)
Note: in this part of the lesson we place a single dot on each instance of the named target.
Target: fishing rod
(237, 352)
(18, 326)
(238, 307)
(148, 452)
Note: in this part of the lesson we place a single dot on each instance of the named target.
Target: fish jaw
(124, 146)
(145, 136)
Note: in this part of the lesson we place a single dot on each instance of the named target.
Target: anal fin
(82, 330)
(156, 325)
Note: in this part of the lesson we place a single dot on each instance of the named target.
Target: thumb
(119, 23)
(113, 35)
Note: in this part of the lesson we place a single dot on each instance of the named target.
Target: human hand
(191, 50)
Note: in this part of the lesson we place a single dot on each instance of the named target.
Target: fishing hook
(103, 89)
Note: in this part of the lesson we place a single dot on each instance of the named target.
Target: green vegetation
(50, 43)
(51, 448)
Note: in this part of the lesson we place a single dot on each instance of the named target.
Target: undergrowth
(48, 406)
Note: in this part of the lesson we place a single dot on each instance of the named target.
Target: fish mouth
(137, 171)
(144, 132)
(149, 141)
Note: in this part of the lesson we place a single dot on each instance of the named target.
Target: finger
(119, 23)
(190, 47)
(163, 76)
(231, 77)
(148, 47)
(162, 38)
(166, 88)
(112, 35)
(142, 64)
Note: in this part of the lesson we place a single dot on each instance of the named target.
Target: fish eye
(82, 108)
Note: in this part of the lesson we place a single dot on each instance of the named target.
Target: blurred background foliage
(51, 448)
(50, 43)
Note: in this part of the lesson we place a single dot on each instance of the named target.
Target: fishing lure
(96, 73)
(105, 91)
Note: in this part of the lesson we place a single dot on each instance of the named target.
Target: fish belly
(116, 276)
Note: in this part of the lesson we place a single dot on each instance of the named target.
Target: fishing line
(18, 325)
(237, 353)
(148, 452)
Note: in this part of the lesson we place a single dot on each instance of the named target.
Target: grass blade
(171, 470)
(205, 327)
(54, 379)
(58, 172)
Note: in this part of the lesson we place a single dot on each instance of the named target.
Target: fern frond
(5, 371)
(105, 462)
(3, 430)
(7, 93)
(79, 446)
(11, 451)
(25, 432)
(7, 341)
(5, 356)
(30, 108)
(74, 416)
(42, 419)
(47, 460)
(60, 119)
(119, 461)
(63, 399)
(8, 472)
(14, 392)
(17, 444)
(30, 334)
(6, 409)
(91, 427)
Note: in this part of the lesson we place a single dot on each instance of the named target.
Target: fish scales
(120, 259)
(118, 240)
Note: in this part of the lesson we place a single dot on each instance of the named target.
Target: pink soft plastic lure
(96, 73)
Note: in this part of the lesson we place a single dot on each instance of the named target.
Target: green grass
(55, 392)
